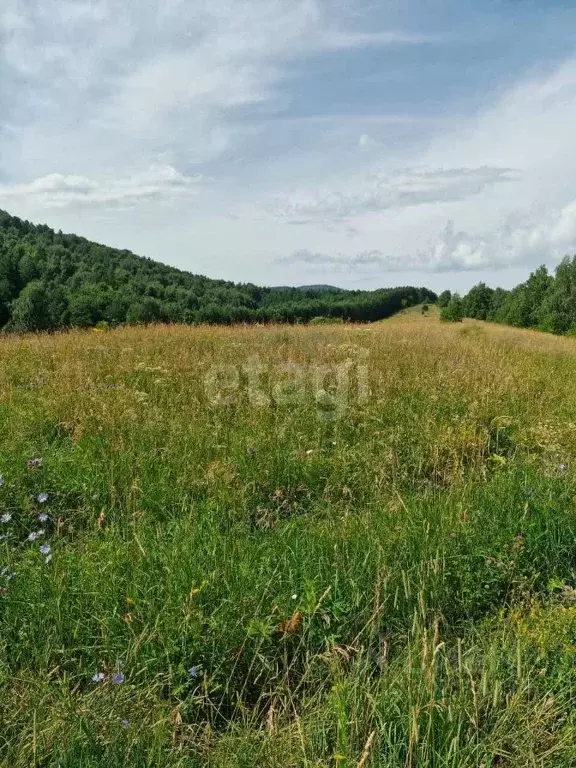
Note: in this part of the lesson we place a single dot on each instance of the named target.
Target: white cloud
(154, 77)
(367, 143)
(158, 183)
(515, 243)
(340, 40)
(94, 91)
(338, 262)
(378, 192)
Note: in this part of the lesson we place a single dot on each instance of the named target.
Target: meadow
(335, 545)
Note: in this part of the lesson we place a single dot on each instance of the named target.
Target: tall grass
(239, 581)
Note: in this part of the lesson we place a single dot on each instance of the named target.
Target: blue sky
(298, 141)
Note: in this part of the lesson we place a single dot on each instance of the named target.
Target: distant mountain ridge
(308, 288)
(51, 280)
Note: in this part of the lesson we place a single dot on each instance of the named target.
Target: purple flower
(193, 671)
(45, 549)
(5, 518)
(118, 678)
(42, 498)
(42, 517)
(99, 677)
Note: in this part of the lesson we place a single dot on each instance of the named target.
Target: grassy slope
(390, 587)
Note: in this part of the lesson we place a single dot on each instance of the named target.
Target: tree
(478, 302)
(80, 283)
(148, 310)
(453, 312)
(30, 311)
(444, 299)
(557, 312)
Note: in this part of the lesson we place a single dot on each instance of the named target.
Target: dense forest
(546, 302)
(50, 280)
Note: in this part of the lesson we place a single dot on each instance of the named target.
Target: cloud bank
(346, 138)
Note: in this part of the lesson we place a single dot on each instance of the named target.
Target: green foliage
(30, 311)
(546, 302)
(453, 312)
(444, 299)
(478, 302)
(50, 281)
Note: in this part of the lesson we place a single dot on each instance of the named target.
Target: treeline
(50, 280)
(546, 302)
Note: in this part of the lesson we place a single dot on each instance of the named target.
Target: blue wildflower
(5, 518)
(99, 677)
(35, 535)
(42, 517)
(42, 498)
(118, 678)
(125, 723)
(193, 671)
(45, 549)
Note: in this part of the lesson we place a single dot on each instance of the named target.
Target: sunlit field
(316, 546)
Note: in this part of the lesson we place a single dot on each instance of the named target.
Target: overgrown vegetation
(247, 562)
(49, 281)
(545, 301)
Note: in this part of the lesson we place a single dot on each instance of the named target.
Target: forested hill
(49, 280)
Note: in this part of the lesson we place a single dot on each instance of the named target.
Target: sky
(285, 142)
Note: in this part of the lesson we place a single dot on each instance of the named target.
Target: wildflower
(35, 535)
(34, 463)
(42, 498)
(99, 677)
(42, 517)
(1, 480)
(45, 549)
(5, 518)
(193, 671)
(125, 723)
(294, 597)
(6, 574)
(118, 678)
(48, 559)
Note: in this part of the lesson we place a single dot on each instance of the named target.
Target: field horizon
(333, 545)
